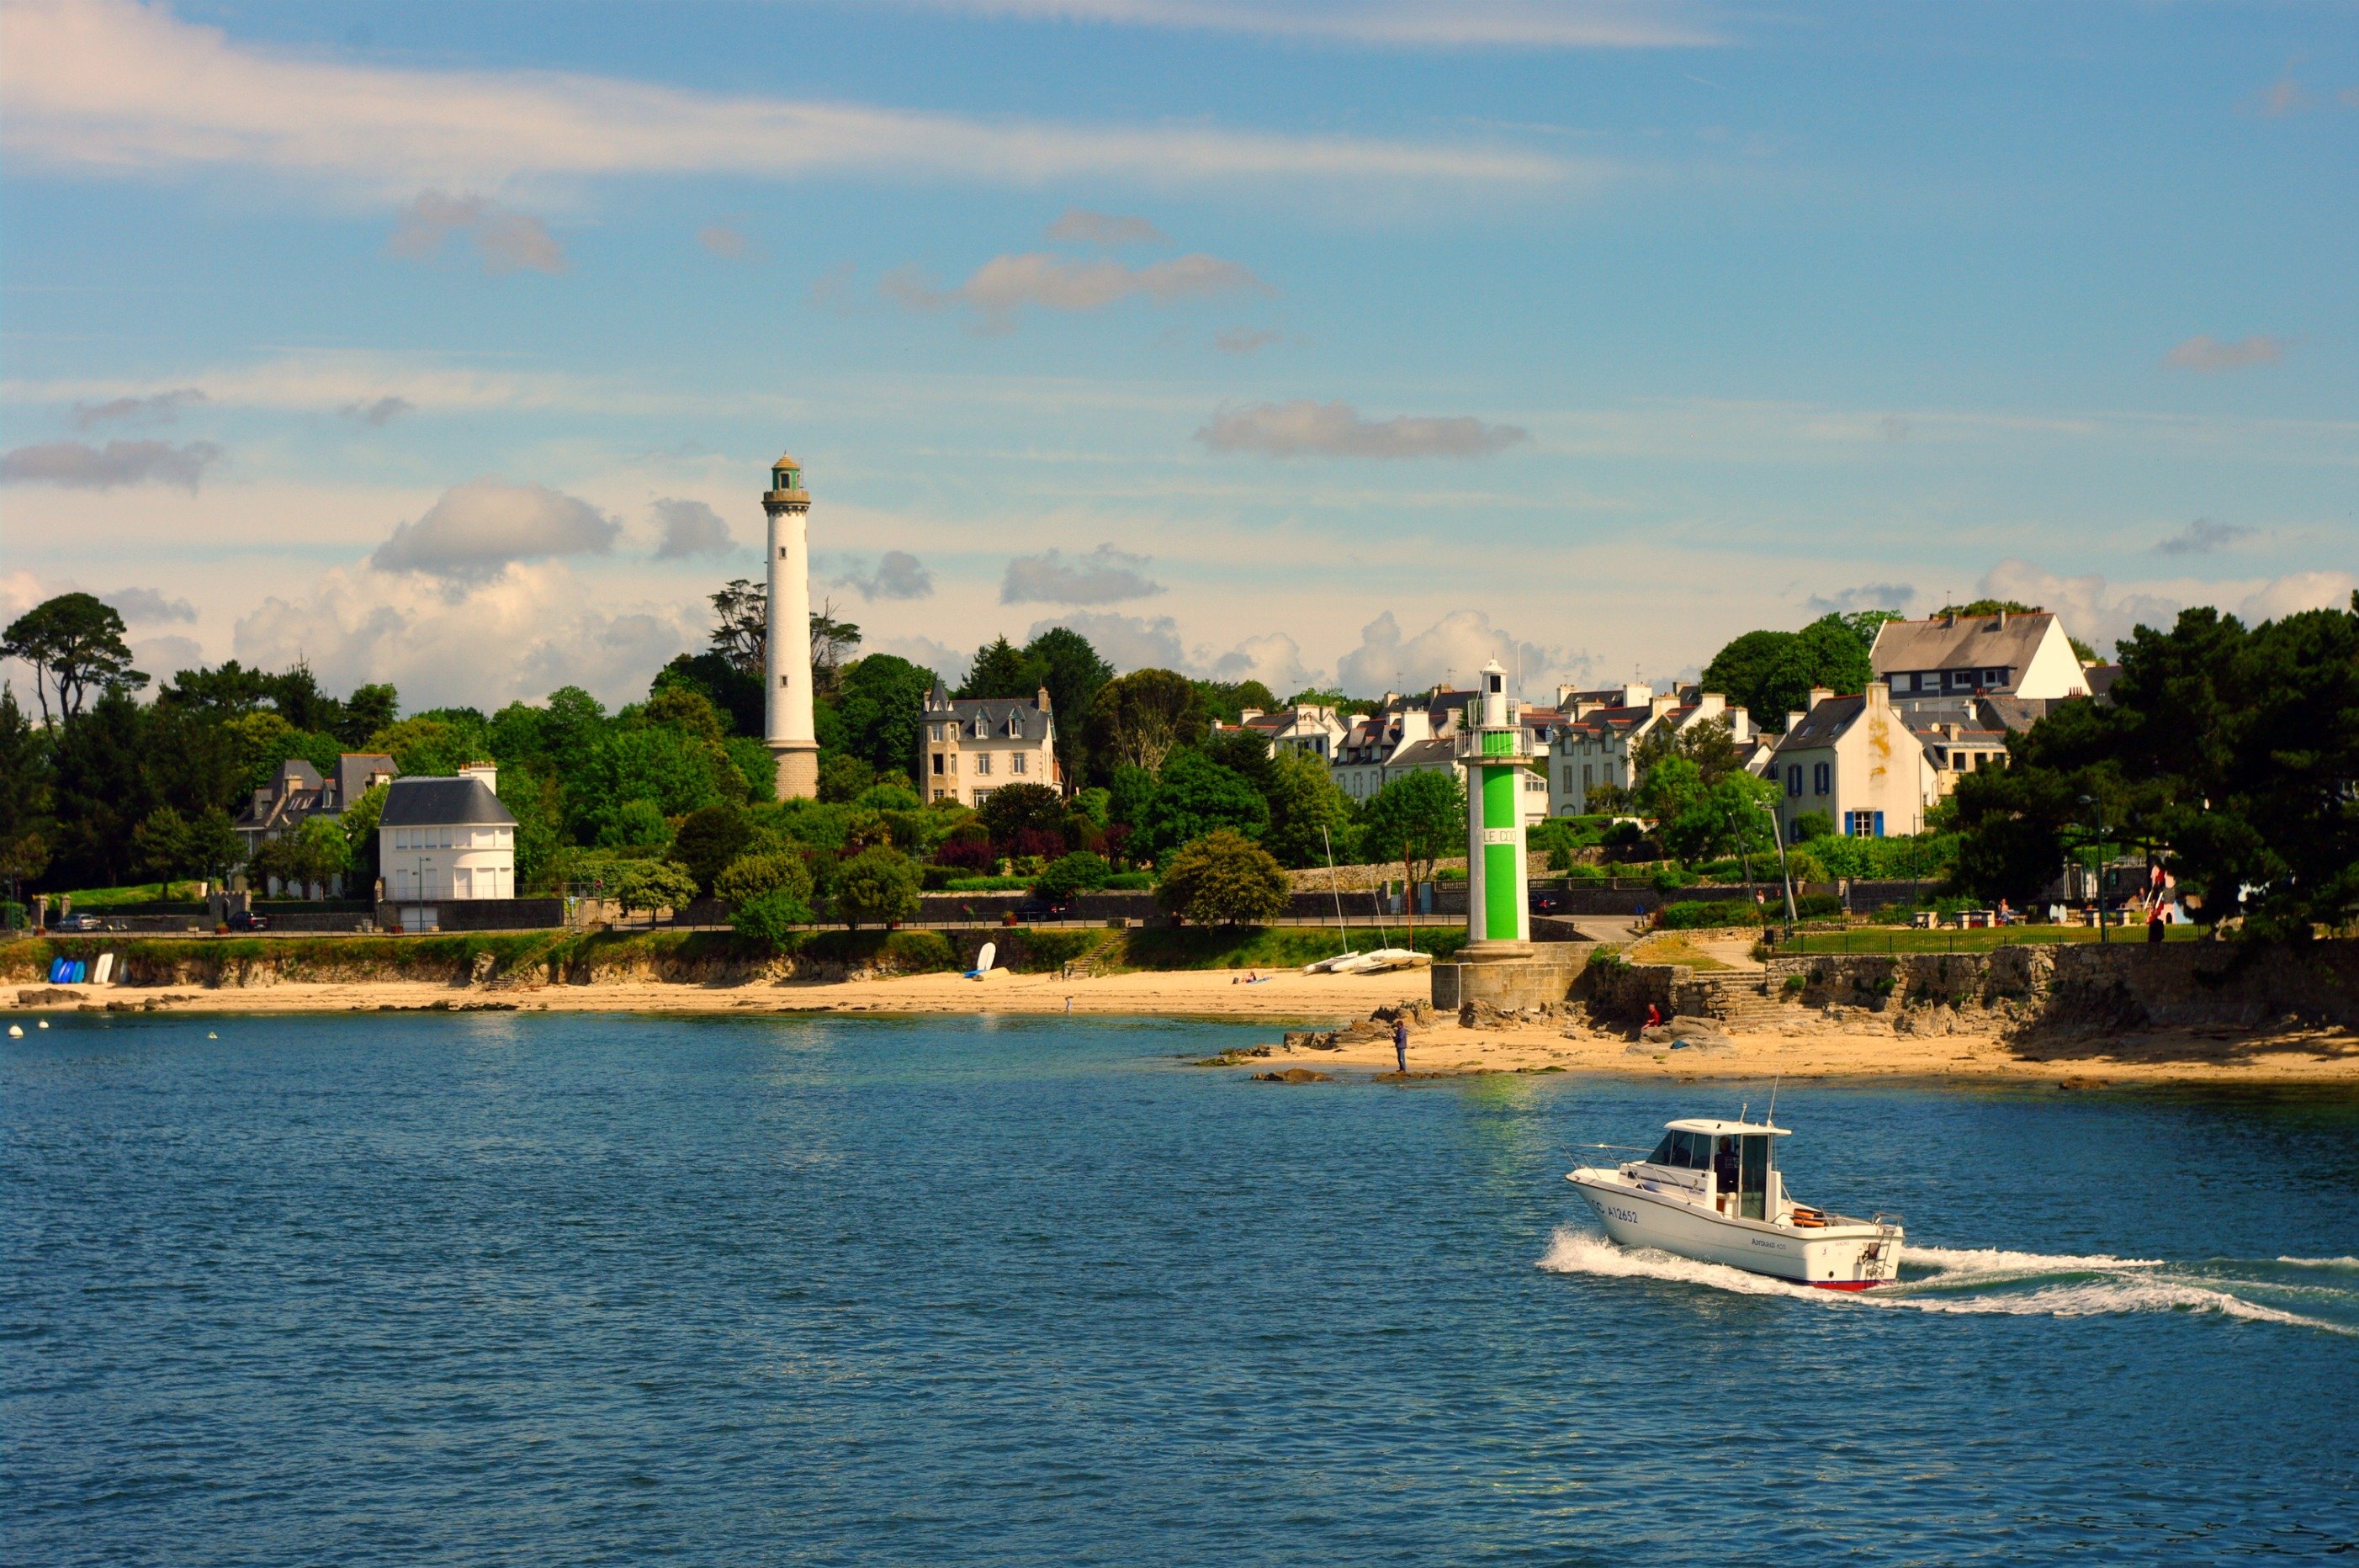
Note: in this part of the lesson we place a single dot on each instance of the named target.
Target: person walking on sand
(1401, 1045)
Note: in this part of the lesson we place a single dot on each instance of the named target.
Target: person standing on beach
(1400, 1044)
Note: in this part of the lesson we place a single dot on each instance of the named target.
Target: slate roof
(442, 803)
(1004, 718)
(1822, 725)
(1960, 642)
(352, 770)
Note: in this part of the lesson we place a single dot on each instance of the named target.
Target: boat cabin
(1728, 1167)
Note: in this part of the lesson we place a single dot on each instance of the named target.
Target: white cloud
(690, 528)
(149, 604)
(1126, 642)
(899, 575)
(377, 412)
(1495, 24)
(107, 86)
(1273, 658)
(1866, 596)
(2101, 618)
(728, 242)
(926, 653)
(478, 529)
(161, 657)
(508, 240)
(1105, 576)
(520, 634)
(1453, 650)
(2207, 355)
(1004, 284)
(1104, 229)
(2202, 537)
(1305, 428)
(158, 409)
(78, 465)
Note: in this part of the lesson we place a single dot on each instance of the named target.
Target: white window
(1015, 763)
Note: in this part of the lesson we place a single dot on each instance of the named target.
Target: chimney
(1820, 694)
(1243, 713)
(1044, 705)
(1793, 717)
(489, 772)
(1663, 704)
(2002, 618)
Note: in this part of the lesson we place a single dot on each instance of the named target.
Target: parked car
(78, 923)
(1032, 911)
(1548, 901)
(247, 921)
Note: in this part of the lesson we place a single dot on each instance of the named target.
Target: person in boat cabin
(1725, 1167)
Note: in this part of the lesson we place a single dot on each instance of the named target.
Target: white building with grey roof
(447, 839)
(976, 745)
(2024, 655)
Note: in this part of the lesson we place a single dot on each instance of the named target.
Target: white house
(2002, 654)
(1855, 760)
(1313, 729)
(1596, 746)
(446, 838)
(1417, 734)
(976, 745)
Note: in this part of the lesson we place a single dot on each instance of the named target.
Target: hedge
(1700, 914)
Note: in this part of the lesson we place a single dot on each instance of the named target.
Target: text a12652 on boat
(1712, 1191)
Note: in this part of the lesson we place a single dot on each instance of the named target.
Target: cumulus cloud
(727, 241)
(899, 575)
(924, 652)
(1866, 596)
(377, 412)
(1246, 339)
(158, 408)
(508, 240)
(479, 529)
(1467, 24)
(114, 87)
(2200, 537)
(690, 528)
(166, 656)
(1104, 229)
(2101, 617)
(2207, 355)
(1305, 428)
(78, 465)
(1006, 283)
(1453, 650)
(1273, 658)
(149, 604)
(1126, 642)
(1105, 576)
(520, 634)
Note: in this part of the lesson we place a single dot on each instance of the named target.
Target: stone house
(976, 745)
(297, 792)
(1856, 759)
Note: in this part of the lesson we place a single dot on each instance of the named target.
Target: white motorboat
(1712, 1191)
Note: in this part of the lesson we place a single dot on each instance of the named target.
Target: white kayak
(1712, 1191)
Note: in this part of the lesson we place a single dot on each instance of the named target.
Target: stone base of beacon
(1534, 974)
(797, 775)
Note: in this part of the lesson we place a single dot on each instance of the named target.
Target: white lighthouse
(793, 742)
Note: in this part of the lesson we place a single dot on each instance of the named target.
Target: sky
(1314, 342)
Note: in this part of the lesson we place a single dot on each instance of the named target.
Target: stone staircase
(1737, 1000)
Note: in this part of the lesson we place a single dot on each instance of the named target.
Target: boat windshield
(1683, 1151)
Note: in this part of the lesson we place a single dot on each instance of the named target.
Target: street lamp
(2097, 817)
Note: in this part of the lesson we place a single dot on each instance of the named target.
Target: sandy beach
(1809, 1047)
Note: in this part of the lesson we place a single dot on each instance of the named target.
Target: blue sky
(1315, 341)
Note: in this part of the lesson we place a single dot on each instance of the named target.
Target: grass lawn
(143, 893)
(1672, 947)
(1981, 939)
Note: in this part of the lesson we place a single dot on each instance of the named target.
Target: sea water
(543, 1289)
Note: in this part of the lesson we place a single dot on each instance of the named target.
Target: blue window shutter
(1879, 824)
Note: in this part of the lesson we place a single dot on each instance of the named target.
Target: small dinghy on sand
(1374, 962)
(1712, 1191)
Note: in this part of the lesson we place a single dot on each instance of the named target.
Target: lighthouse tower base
(797, 775)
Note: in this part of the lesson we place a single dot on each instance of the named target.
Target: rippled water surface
(547, 1289)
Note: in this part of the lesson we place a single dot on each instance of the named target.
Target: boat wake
(1985, 1280)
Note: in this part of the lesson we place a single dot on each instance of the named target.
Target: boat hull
(1835, 1257)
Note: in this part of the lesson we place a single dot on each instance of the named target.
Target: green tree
(1227, 700)
(160, 845)
(1864, 624)
(534, 800)
(877, 886)
(1082, 871)
(1709, 745)
(369, 708)
(844, 778)
(215, 846)
(769, 918)
(1416, 819)
(24, 772)
(1014, 811)
(101, 790)
(1770, 673)
(1307, 812)
(435, 744)
(751, 876)
(1140, 717)
(881, 702)
(733, 693)
(708, 838)
(649, 885)
(639, 828)
(75, 645)
(1196, 796)
(1075, 675)
(1224, 878)
(319, 853)
(1001, 671)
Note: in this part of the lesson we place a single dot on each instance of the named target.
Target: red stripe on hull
(1849, 1284)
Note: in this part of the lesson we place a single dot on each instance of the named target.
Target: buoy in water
(210, 1035)
(44, 1023)
(16, 1031)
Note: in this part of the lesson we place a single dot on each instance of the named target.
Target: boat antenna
(1772, 1099)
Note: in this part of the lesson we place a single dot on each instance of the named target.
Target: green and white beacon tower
(1493, 748)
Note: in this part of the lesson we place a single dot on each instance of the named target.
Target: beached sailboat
(1712, 1191)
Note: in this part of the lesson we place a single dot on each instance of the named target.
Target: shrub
(1671, 877)
(750, 876)
(1224, 878)
(968, 848)
(1129, 882)
(1818, 907)
(920, 951)
(1582, 873)
(1700, 914)
(1079, 872)
(769, 918)
(1813, 825)
(877, 886)
(1794, 985)
(709, 839)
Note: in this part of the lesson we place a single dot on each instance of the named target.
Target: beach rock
(1293, 1075)
(48, 996)
(1696, 1028)
(1645, 1048)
